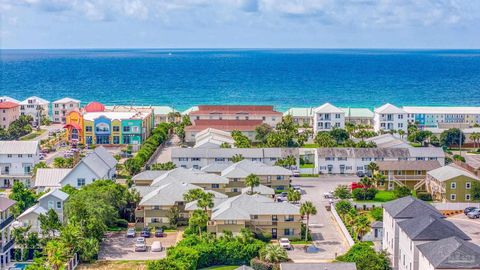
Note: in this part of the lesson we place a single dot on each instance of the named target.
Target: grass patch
(308, 175)
(415, 144)
(310, 145)
(307, 166)
(116, 229)
(114, 265)
(33, 135)
(381, 196)
(222, 267)
(300, 242)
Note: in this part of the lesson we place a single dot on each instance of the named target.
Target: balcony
(6, 222)
(7, 245)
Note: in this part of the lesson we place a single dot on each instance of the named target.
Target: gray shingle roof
(388, 153)
(216, 167)
(191, 176)
(409, 207)
(148, 175)
(423, 228)
(318, 266)
(168, 194)
(241, 207)
(18, 147)
(245, 167)
(450, 171)
(100, 161)
(377, 224)
(56, 193)
(452, 253)
(229, 152)
(260, 189)
(420, 165)
(6, 203)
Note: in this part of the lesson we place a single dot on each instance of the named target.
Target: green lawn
(301, 242)
(381, 196)
(307, 166)
(222, 267)
(32, 135)
(310, 145)
(308, 175)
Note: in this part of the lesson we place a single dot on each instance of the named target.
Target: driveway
(469, 226)
(118, 247)
(325, 231)
(165, 154)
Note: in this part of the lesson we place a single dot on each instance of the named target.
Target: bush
(264, 237)
(342, 192)
(377, 214)
(401, 192)
(360, 194)
(424, 196)
(258, 264)
(186, 255)
(122, 223)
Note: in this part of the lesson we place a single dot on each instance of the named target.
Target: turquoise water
(284, 78)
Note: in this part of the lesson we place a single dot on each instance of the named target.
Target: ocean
(284, 78)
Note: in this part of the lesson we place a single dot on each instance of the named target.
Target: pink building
(9, 112)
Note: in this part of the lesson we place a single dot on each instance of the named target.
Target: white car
(156, 246)
(285, 243)
(140, 244)
(131, 232)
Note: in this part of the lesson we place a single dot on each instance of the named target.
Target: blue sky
(240, 24)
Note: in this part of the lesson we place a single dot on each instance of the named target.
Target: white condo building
(17, 159)
(62, 107)
(328, 117)
(35, 107)
(390, 117)
(443, 117)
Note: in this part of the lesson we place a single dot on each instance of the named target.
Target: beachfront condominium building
(36, 107)
(162, 114)
(357, 116)
(328, 117)
(9, 112)
(198, 158)
(17, 159)
(7, 98)
(352, 160)
(389, 118)
(443, 117)
(97, 125)
(62, 107)
(451, 183)
(266, 114)
(256, 212)
(6, 240)
(301, 116)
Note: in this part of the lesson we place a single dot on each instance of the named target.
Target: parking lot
(117, 246)
(470, 226)
(326, 234)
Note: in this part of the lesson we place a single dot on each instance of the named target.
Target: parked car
(360, 174)
(145, 232)
(157, 246)
(468, 209)
(282, 197)
(296, 173)
(475, 213)
(159, 232)
(131, 232)
(328, 195)
(285, 243)
(297, 188)
(140, 245)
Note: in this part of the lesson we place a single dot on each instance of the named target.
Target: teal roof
(357, 112)
(299, 112)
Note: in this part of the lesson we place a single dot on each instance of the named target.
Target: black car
(145, 232)
(159, 232)
(360, 174)
(468, 210)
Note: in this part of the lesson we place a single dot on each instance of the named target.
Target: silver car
(131, 232)
(475, 213)
(140, 245)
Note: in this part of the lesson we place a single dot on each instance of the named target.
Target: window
(135, 129)
(274, 218)
(273, 159)
(337, 115)
(195, 159)
(20, 155)
(80, 182)
(215, 186)
(254, 216)
(116, 139)
(288, 232)
(29, 155)
(468, 185)
(342, 159)
(400, 125)
(182, 159)
(329, 158)
(467, 197)
(59, 205)
(88, 128)
(116, 128)
(219, 159)
(230, 222)
(50, 204)
(453, 197)
(280, 177)
(400, 116)
(156, 207)
(9, 155)
(289, 218)
(126, 129)
(453, 185)
(263, 118)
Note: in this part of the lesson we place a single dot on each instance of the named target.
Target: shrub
(343, 207)
(361, 194)
(424, 196)
(402, 191)
(377, 214)
(122, 223)
(264, 237)
(186, 255)
(342, 192)
(258, 264)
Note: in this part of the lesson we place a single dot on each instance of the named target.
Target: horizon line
(242, 48)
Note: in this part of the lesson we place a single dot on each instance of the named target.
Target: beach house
(17, 159)
(327, 117)
(389, 117)
(9, 112)
(62, 107)
(35, 107)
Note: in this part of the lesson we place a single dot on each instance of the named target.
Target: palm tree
(40, 165)
(362, 226)
(193, 195)
(307, 209)
(401, 132)
(56, 253)
(475, 137)
(366, 183)
(205, 201)
(198, 219)
(252, 181)
(373, 167)
(293, 195)
(237, 158)
(273, 254)
(379, 178)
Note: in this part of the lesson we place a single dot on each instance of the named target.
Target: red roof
(235, 109)
(94, 107)
(8, 105)
(225, 125)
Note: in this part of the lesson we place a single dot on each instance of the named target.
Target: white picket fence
(342, 226)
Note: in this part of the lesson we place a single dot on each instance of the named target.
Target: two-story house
(7, 241)
(327, 117)
(9, 112)
(35, 107)
(99, 164)
(54, 199)
(451, 183)
(389, 117)
(17, 159)
(62, 107)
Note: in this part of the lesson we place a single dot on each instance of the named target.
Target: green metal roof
(299, 112)
(357, 112)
